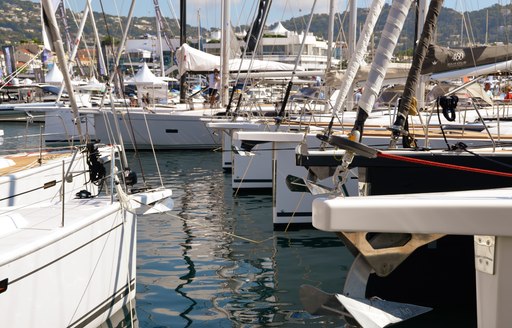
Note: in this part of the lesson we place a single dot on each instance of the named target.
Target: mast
(75, 45)
(260, 20)
(62, 14)
(101, 59)
(55, 40)
(199, 29)
(160, 21)
(352, 37)
(159, 33)
(357, 57)
(353, 27)
(280, 116)
(422, 13)
(183, 40)
(225, 52)
(486, 26)
(394, 24)
(330, 33)
(414, 73)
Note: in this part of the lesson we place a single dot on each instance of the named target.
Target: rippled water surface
(215, 261)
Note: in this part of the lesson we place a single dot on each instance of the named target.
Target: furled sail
(258, 25)
(394, 24)
(358, 58)
(406, 103)
(45, 21)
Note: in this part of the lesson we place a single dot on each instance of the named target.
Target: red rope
(444, 165)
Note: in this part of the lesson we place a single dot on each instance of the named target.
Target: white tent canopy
(278, 30)
(193, 60)
(54, 76)
(149, 83)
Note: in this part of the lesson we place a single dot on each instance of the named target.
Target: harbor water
(215, 259)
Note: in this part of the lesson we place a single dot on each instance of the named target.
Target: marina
(216, 259)
(265, 174)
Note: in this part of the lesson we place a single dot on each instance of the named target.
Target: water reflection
(21, 136)
(216, 261)
(126, 317)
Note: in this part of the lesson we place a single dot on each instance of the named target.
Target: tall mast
(75, 45)
(414, 73)
(183, 40)
(101, 59)
(420, 90)
(161, 28)
(387, 43)
(486, 26)
(329, 48)
(330, 34)
(253, 37)
(252, 40)
(55, 40)
(225, 52)
(159, 37)
(199, 29)
(160, 50)
(62, 14)
(352, 37)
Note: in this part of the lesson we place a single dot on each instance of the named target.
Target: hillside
(20, 22)
(449, 25)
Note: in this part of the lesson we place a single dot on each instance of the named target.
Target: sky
(208, 12)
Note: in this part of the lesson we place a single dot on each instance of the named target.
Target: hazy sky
(242, 11)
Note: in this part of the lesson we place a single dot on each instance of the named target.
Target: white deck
(60, 264)
(31, 230)
(479, 212)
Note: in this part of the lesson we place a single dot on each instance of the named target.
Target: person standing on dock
(214, 85)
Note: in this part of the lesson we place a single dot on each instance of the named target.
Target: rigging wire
(171, 7)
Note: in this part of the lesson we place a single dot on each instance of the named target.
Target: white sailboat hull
(77, 275)
(143, 129)
(168, 129)
(68, 263)
(270, 162)
(484, 214)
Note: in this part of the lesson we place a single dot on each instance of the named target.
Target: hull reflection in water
(216, 261)
(126, 317)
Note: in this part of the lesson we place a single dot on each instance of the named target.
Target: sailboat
(421, 210)
(69, 228)
(265, 157)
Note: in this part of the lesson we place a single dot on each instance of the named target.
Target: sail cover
(441, 59)
(193, 60)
